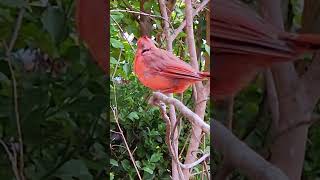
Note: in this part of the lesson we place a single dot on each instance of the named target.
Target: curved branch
(158, 99)
(244, 158)
(183, 24)
(185, 111)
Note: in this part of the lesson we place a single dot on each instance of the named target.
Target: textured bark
(201, 91)
(294, 97)
(145, 21)
(172, 112)
(287, 151)
(311, 16)
(241, 156)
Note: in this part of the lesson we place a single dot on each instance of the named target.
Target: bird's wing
(167, 64)
(90, 18)
(236, 24)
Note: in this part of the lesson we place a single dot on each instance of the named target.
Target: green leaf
(155, 157)
(33, 35)
(148, 5)
(54, 21)
(114, 162)
(133, 115)
(99, 151)
(116, 43)
(126, 68)
(138, 164)
(74, 169)
(113, 60)
(125, 164)
(148, 170)
(117, 16)
(4, 78)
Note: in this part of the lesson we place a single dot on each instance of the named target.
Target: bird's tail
(303, 42)
(204, 74)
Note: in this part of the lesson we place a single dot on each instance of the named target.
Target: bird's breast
(152, 78)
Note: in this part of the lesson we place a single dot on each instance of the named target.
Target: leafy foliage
(62, 95)
(252, 121)
(143, 127)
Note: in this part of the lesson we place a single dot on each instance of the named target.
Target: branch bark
(9, 49)
(311, 80)
(172, 112)
(272, 98)
(145, 21)
(186, 112)
(244, 158)
(201, 92)
(183, 24)
(287, 151)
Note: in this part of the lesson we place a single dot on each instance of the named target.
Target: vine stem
(9, 49)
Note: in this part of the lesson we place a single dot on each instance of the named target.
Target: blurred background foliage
(143, 127)
(252, 120)
(61, 94)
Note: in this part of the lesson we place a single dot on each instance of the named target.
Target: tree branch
(244, 158)
(272, 98)
(311, 80)
(185, 111)
(9, 49)
(166, 27)
(115, 114)
(12, 159)
(172, 112)
(136, 12)
(183, 24)
(200, 92)
(287, 152)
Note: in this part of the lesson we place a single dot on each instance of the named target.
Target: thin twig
(130, 8)
(166, 27)
(169, 130)
(314, 118)
(14, 84)
(143, 13)
(16, 30)
(122, 31)
(115, 114)
(136, 12)
(206, 169)
(185, 144)
(173, 153)
(12, 160)
(183, 24)
(115, 69)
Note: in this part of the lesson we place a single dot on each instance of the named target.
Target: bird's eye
(145, 50)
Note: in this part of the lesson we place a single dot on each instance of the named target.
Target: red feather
(91, 25)
(243, 43)
(160, 70)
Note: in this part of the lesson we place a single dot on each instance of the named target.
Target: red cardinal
(162, 71)
(243, 43)
(91, 24)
